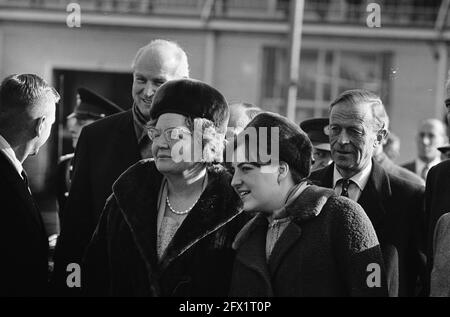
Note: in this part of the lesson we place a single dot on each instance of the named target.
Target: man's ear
(39, 128)
(381, 135)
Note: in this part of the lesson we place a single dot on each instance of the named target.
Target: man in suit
(27, 113)
(90, 107)
(431, 135)
(394, 205)
(106, 148)
(437, 202)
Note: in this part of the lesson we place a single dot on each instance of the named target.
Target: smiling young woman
(303, 240)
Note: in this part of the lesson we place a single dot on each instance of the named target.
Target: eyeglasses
(170, 134)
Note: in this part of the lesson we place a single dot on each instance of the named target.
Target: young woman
(304, 240)
(168, 227)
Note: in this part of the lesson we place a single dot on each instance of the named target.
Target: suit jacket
(437, 201)
(389, 166)
(122, 260)
(105, 149)
(410, 166)
(396, 209)
(324, 251)
(23, 240)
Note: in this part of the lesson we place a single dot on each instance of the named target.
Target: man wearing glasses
(394, 205)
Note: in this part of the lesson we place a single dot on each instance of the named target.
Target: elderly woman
(168, 227)
(304, 240)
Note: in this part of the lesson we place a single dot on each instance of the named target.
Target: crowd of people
(179, 196)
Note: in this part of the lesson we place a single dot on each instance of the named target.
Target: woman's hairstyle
(294, 146)
(205, 109)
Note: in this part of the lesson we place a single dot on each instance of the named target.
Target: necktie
(145, 147)
(424, 172)
(345, 185)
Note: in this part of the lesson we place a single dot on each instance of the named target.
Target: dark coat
(410, 166)
(325, 250)
(105, 149)
(437, 201)
(23, 240)
(396, 209)
(397, 170)
(121, 259)
(63, 179)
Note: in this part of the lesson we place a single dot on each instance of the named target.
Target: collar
(421, 164)
(308, 205)
(139, 122)
(6, 148)
(292, 195)
(136, 193)
(359, 179)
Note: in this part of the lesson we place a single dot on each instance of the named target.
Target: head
(356, 129)
(27, 112)
(263, 181)
(241, 113)
(317, 130)
(90, 107)
(321, 158)
(187, 126)
(431, 135)
(154, 64)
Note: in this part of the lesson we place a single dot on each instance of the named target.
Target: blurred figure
(90, 107)
(382, 158)
(241, 113)
(392, 146)
(431, 135)
(27, 113)
(317, 131)
(445, 152)
(394, 205)
(168, 227)
(106, 148)
(304, 240)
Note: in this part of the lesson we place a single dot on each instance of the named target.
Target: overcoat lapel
(13, 178)
(376, 195)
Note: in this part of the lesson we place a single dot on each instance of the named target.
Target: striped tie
(345, 184)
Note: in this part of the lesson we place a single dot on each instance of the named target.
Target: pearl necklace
(179, 212)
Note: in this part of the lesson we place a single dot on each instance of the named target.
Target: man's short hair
(22, 93)
(177, 50)
(358, 96)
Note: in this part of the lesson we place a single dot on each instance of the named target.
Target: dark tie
(145, 147)
(25, 179)
(345, 184)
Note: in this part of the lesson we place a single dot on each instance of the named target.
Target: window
(323, 75)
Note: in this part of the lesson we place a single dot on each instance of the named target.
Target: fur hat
(193, 99)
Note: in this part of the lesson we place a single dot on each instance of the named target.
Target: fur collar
(136, 192)
(307, 206)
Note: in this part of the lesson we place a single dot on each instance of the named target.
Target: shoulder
(108, 124)
(403, 186)
(443, 167)
(409, 165)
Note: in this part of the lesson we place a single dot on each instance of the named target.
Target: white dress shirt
(6, 149)
(357, 184)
